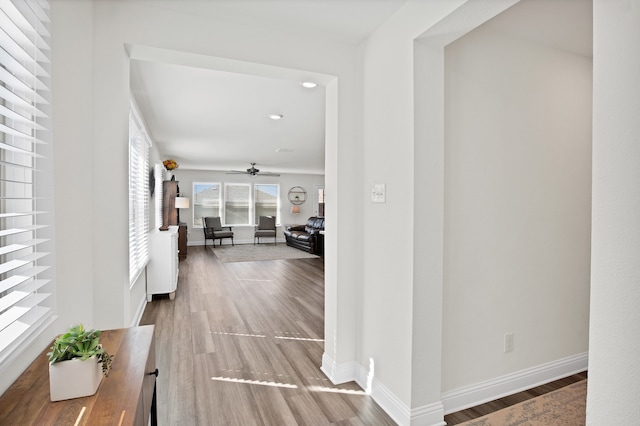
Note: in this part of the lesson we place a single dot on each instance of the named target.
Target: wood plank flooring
(242, 344)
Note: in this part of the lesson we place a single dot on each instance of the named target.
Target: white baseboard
(456, 400)
(339, 373)
(479, 393)
(428, 415)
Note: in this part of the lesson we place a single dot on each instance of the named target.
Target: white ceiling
(210, 117)
(217, 120)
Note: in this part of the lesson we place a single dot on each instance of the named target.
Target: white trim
(339, 373)
(390, 403)
(135, 321)
(427, 415)
(479, 393)
(458, 399)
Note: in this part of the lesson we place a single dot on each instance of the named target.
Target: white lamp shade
(182, 203)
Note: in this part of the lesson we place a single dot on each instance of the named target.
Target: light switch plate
(379, 193)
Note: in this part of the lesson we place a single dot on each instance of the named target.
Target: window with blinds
(206, 201)
(138, 196)
(27, 283)
(265, 201)
(237, 204)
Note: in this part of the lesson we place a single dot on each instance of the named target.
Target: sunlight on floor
(336, 390)
(290, 386)
(307, 339)
(255, 382)
(237, 334)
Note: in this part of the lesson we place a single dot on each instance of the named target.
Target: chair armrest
(295, 228)
(230, 227)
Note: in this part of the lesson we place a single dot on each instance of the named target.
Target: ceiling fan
(252, 171)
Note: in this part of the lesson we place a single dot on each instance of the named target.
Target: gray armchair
(266, 228)
(213, 230)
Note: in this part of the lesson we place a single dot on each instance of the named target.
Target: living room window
(206, 202)
(237, 204)
(265, 201)
(27, 244)
(139, 144)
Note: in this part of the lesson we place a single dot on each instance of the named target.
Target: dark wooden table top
(27, 401)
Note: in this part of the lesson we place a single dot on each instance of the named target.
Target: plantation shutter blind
(26, 190)
(138, 199)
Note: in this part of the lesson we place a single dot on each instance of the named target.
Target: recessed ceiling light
(284, 150)
(276, 116)
(309, 84)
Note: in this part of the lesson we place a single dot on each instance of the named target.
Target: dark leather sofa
(307, 237)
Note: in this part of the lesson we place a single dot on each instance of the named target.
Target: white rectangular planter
(74, 378)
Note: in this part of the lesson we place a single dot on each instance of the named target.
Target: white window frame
(197, 221)
(27, 275)
(139, 144)
(158, 191)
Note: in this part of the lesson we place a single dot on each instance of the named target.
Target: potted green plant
(77, 362)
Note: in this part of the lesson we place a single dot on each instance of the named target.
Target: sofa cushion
(303, 236)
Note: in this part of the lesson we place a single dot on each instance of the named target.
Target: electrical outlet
(508, 342)
(378, 194)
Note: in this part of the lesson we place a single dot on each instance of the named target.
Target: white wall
(72, 133)
(614, 390)
(517, 206)
(244, 234)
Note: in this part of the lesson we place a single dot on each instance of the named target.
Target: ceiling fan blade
(251, 172)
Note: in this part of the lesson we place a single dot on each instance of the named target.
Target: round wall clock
(297, 195)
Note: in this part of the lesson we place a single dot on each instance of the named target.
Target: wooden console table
(126, 397)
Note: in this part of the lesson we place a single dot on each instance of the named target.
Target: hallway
(242, 344)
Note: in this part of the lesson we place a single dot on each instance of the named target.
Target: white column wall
(72, 133)
(399, 290)
(614, 336)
